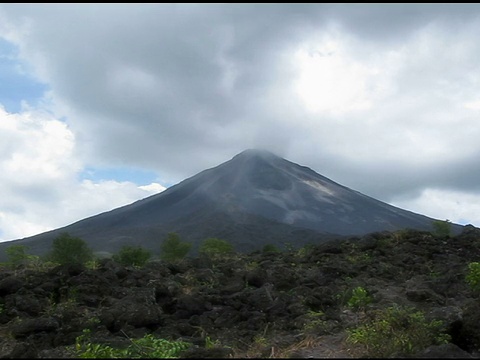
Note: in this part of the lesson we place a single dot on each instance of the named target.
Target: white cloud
(153, 187)
(457, 206)
(332, 81)
(39, 181)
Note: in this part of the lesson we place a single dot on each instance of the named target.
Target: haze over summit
(105, 104)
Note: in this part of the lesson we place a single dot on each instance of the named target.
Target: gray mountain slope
(256, 198)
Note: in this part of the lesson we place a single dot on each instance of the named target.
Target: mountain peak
(254, 152)
(253, 198)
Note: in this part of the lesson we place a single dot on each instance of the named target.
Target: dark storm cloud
(182, 87)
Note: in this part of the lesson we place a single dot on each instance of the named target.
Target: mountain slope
(256, 198)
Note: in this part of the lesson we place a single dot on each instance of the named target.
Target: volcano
(255, 198)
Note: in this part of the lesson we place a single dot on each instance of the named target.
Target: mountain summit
(255, 198)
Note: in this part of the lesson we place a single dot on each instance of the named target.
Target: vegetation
(314, 321)
(442, 228)
(270, 248)
(67, 249)
(17, 254)
(132, 255)
(214, 247)
(396, 330)
(473, 276)
(146, 347)
(359, 299)
(173, 248)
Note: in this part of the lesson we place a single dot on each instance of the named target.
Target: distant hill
(254, 199)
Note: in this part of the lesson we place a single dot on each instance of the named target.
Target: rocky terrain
(294, 303)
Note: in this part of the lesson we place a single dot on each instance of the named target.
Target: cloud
(382, 98)
(462, 207)
(40, 176)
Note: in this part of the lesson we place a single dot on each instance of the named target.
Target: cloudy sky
(105, 104)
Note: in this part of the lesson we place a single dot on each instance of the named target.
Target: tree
(442, 228)
(213, 247)
(132, 255)
(67, 249)
(17, 254)
(173, 248)
(473, 276)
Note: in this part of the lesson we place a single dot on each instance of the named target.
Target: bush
(442, 228)
(359, 299)
(473, 276)
(146, 347)
(17, 254)
(132, 255)
(214, 247)
(173, 248)
(67, 249)
(270, 248)
(395, 331)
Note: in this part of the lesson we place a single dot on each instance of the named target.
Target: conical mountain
(254, 199)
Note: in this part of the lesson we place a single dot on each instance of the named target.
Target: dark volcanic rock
(10, 285)
(28, 326)
(445, 351)
(247, 305)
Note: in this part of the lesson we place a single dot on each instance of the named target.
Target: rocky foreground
(297, 303)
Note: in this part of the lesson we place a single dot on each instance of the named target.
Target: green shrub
(270, 248)
(442, 228)
(359, 299)
(173, 248)
(315, 321)
(396, 330)
(214, 247)
(132, 255)
(304, 250)
(67, 249)
(473, 276)
(146, 347)
(17, 254)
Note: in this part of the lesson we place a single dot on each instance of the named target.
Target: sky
(105, 104)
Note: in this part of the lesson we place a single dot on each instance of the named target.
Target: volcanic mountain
(254, 199)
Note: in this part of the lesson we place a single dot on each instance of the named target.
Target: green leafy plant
(304, 250)
(210, 343)
(473, 276)
(18, 257)
(397, 330)
(442, 228)
(214, 247)
(93, 264)
(146, 347)
(17, 254)
(67, 249)
(132, 255)
(173, 248)
(93, 322)
(314, 319)
(359, 298)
